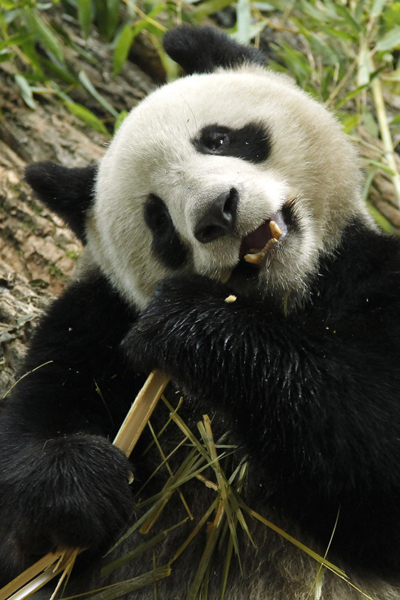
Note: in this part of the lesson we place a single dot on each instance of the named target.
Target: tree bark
(38, 252)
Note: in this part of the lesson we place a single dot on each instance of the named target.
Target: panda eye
(156, 214)
(160, 221)
(215, 141)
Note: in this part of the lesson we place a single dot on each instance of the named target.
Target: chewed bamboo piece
(54, 563)
(140, 412)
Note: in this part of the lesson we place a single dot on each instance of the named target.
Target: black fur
(313, 396)
(62, 482)
(251, 142)
(204, 49)
(167, 246)
(67, 192)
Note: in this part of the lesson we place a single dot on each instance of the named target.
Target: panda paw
(185, 313)
(70, 492)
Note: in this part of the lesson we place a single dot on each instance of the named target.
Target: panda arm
(61, 480)
(313, 395)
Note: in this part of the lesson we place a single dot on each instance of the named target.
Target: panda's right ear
(204, 49)
(69, 192)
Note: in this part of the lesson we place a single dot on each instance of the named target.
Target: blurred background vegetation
(345, 53)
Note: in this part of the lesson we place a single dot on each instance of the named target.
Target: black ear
(204, 49)
(67, 192)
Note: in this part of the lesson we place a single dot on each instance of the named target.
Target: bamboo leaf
(87, 84)
(377, 7)
(120, 119)
(113, 8)
(122, 47)
(44, 35)
(380, 218)
(4, 56)
(125, 587)
(86, 115)
(243, 13)
(390, 40)
(25, 91)
(395, 120)
(351, 21)
(15, 40)
(85, 15)
(208, 8)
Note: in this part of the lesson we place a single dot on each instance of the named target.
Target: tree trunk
(38, 252)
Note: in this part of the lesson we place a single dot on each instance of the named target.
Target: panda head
(200, 168)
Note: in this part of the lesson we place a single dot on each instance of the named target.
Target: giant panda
(300, 372)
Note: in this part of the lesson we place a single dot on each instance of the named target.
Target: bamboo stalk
(389, 154)
(135, 421)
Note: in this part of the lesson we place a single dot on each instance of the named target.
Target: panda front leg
(62, 482)
(316, 408)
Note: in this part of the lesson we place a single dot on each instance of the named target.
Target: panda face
(197, 172)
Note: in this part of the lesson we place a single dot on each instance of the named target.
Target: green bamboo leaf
(264, 6)
(344, 12)
(85, 15)
(243, 13)
(377, 7)
(390, 40)
(379, 218)
(349, 122)
(380, 165)
(120, 119)
(86, 115)
(117, 590)
(44, 35)
(208, 8)
(7, 4)
(393, 76)
(25, 91)
(123, 560)
(339, 33)
(113, 10)
(59, 71)
(122, 47)
(5, 56)
(350, 96)
(15, 40)
(318, 45)
(101, 16)
(395, 120)
(87, 84)
(170, 66)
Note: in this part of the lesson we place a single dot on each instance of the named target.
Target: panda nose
(219, 219)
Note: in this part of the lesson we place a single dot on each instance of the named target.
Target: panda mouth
(258, 243)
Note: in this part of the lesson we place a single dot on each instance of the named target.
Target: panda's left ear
(204, 49)
(66, 191)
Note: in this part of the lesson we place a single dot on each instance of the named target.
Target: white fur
(152, 152)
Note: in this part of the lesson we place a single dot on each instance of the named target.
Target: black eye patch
(253, 142)
(166, 245)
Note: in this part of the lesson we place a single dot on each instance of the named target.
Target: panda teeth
(255, 256)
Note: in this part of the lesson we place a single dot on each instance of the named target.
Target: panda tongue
(256, 240)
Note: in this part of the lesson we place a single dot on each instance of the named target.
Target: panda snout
(219, 218)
